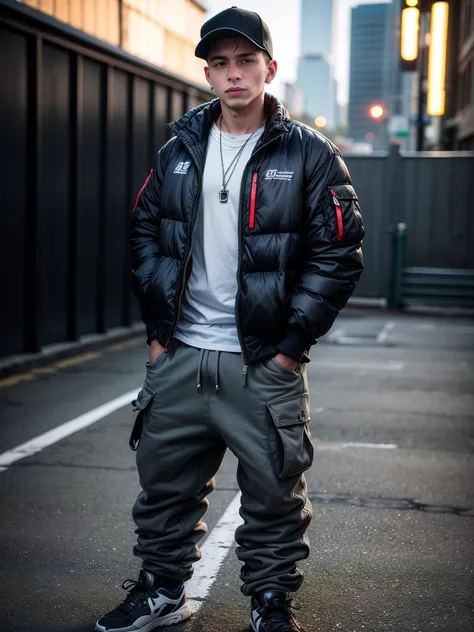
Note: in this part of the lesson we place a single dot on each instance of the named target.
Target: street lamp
(320, 121)
(437, 59)
(409, 34)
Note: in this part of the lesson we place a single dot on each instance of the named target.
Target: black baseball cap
(235, 22)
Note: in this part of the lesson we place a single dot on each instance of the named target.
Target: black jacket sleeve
(332, 255)
(145, 235)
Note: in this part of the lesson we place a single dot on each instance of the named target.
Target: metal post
(420, 129)
(398, 238)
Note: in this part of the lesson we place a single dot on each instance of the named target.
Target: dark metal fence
(431, 193)
(80, 122)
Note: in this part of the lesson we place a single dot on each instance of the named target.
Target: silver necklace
(224, 193)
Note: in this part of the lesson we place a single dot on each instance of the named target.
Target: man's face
(238, 70)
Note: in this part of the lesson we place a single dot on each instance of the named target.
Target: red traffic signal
(376, 111)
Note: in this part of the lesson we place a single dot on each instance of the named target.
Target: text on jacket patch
(182, 168)
(273, 174)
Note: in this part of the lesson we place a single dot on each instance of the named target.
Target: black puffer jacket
(299, 237)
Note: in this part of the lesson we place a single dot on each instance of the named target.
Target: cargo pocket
(343, 217)
(143, 400)
(291, 449)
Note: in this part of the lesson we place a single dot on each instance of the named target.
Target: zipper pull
(334, 199)
(244, 375)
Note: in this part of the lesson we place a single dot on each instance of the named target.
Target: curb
(19, 363)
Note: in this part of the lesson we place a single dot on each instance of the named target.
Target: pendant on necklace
(223, 195)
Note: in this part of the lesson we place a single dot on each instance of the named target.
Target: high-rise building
(316, 26)
(315, 73)
(371, 79)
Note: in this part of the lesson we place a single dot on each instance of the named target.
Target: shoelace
(138, 594)
(279, 614)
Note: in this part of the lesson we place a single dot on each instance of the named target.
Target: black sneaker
(271, 612)
(147, 606)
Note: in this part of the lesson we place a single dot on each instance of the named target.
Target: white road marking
(392, 365)
(382, 337)
(352, 340)
(322, 445)
(425, 326)
(215, 550)
(336, 335)
(64, 430)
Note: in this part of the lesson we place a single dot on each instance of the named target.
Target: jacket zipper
(340, 224)
(239, 256)
(141, 191)
(188, 257)
(253, 198)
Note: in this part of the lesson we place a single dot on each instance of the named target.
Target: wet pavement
(392, 486)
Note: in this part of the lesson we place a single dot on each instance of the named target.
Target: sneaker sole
(170, 619)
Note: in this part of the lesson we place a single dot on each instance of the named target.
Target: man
(245, 246)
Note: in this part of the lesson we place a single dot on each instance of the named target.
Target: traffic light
(376, 111)
(437, 58)
(409, 34)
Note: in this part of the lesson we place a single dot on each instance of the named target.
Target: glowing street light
(437, 59)
(409, 34)
(320, 121)
(376, 111)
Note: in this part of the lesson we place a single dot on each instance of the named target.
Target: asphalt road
(392, 485)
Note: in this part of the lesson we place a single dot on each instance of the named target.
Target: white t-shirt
(207, 318)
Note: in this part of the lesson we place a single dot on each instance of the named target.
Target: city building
(159, 31)
(458, 122)
(316, 26)
(315, 75)
(318, 85)
(371, 80)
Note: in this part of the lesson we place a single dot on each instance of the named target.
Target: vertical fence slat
(132, 111)
(14, 195)
(35, 176)
(89, 187)
(106, 131)
(75, 157)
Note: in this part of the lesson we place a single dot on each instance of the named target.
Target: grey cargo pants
(192, 407)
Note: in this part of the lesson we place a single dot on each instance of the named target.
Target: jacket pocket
(144, 398)
(343, 217)
(291, 448)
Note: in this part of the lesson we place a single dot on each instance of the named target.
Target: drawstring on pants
(201, 362)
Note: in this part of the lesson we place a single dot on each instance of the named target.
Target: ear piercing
(212, 88)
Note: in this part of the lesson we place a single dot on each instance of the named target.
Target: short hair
(214, 45)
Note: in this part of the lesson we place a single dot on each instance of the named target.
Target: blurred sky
(283, 19)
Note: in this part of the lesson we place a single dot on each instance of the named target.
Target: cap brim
(203, 46)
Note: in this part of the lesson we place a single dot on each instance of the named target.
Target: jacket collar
(194, 126)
